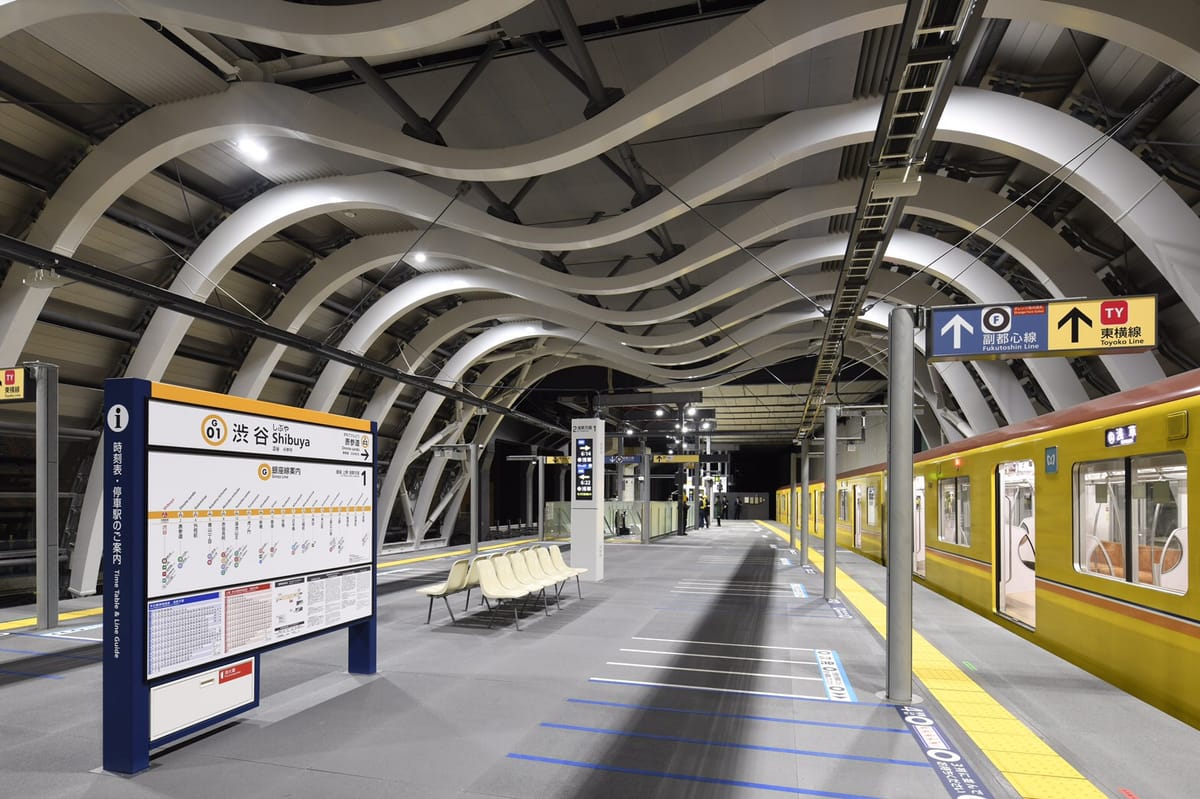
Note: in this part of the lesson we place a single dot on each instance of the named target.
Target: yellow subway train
(1070, 530)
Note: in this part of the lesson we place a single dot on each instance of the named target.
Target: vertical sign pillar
(830, 502)
(804, 502)
(900, 506)
(792, 500)
(587, 498)
(45, 376)
(125, 694)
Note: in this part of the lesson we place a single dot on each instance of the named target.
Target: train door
(1016, 544)
(919, 526)
(858, 516)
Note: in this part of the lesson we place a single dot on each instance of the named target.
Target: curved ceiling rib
(775, 176)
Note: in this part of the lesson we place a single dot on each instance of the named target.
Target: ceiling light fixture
(691, 411)
(420, 257)
(253, 150)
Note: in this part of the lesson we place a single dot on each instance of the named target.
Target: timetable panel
(192, 630)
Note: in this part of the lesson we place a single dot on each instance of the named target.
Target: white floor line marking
(71, 638)
(735, 583)
(711, 671)
(729, 593)
(707, 688)
(722, 643)
(721, 657)
(396, 571)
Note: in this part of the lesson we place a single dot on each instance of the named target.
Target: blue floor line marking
(767, 694)
(669, 775)
(31, 674)
(716, 714)
(92, 658)
(783, 750)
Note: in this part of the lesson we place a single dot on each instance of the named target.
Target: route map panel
(219, 520)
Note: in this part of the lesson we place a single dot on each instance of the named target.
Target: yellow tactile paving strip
(1034, 769)
(17, 624)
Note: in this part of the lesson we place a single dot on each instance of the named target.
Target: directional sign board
(1042, 329)
(12, 384)
(676, 458)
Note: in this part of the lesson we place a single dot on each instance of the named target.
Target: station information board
(234, 526)
(1042, 328)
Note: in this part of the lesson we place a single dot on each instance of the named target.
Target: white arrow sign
(957, 324)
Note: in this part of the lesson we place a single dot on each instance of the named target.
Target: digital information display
(233, 526)
(583, 468)
(1120, 436)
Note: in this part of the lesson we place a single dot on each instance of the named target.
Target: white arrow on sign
(957, 324)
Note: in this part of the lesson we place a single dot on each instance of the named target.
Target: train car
(1070, 530)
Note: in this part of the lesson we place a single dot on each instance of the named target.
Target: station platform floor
(702, 666)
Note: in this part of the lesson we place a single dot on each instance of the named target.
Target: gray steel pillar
(541, 494)
(899, 515)
(804, 502)
(831, 501)
(792, 500)
(45, 375)
(473, 465)
(530, 472)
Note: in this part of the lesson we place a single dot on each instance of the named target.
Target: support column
(792, 500)
(804, 502)
(45, 375)
(831, 502)
(530, 473)
(900, 504)
(473, 489)
(541, 498)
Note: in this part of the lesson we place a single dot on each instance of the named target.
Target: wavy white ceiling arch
(450, 324)
(1146, 208)
(505, 334)
(376, 28)
(973, 278)
(774, 29)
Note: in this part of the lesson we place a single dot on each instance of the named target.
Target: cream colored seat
(550, 570)
(518, 572)
(456, 581)
(571, 571)
(539, 570)
(491, 588)
(473, 579)
(526, 565)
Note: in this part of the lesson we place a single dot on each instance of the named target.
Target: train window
(1131, 520)
(954, 505)
(844, 504)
